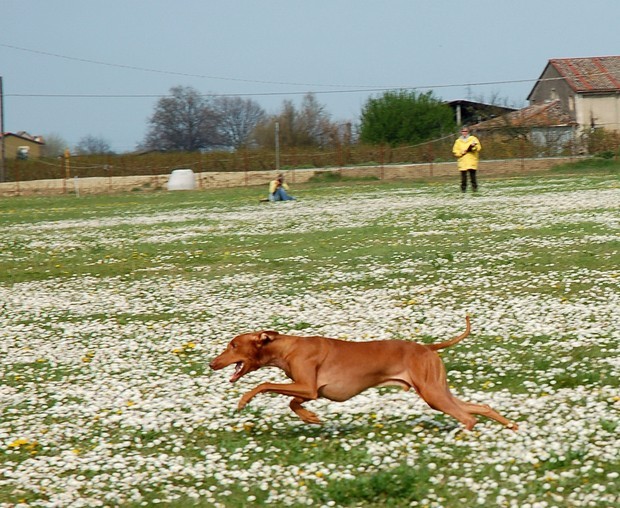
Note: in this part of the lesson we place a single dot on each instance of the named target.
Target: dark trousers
(472, 177)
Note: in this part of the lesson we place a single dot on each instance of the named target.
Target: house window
(23, 152)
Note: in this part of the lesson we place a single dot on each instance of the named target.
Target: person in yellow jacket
(278, 190)
(466, 149)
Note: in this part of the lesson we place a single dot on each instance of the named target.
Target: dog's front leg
(306, 415)
(300, 390)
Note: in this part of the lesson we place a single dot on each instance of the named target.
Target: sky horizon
(98, 68)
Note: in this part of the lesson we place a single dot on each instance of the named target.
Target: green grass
(133, 294)
(590, 166)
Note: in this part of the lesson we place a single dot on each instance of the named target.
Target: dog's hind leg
(463, 411)
(444, 401)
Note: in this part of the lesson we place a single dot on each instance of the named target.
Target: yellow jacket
(467, 159)
(274, 184)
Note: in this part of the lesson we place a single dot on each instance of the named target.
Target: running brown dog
(338, 370)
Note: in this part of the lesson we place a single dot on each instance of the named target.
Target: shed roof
(548, 114)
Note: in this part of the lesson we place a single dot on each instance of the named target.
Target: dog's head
(246, 351)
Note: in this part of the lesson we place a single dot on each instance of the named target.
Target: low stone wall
(118, 184)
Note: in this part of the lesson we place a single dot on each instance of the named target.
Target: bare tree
(238, 119)
(309, 126)
(185, 121)
(55, 145)
(314, 125)
(92, 145)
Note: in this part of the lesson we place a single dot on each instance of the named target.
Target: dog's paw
(244, 401)
(310, 417)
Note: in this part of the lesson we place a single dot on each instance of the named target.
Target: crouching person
(278, 190)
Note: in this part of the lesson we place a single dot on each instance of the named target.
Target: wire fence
(495, 146)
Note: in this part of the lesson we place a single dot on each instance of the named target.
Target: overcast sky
(77, 68)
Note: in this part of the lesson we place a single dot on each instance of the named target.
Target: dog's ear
(265, 337)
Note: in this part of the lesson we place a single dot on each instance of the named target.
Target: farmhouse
(573, 97)
(588, 90)
(22, 145)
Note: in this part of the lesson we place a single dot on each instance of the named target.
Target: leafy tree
(238, 119)
(399, 117)
(92, 145)
(185, 121)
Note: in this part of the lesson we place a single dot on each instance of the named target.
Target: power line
(151, 96)
(266, 94)
(161, 71)
(343, 88)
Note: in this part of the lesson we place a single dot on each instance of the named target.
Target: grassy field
(112, 307)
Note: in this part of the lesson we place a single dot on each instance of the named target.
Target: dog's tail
(451, 342)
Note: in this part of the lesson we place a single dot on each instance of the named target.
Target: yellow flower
(19, 442)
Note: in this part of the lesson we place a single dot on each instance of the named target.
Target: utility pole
(278, 147)
(2, 151)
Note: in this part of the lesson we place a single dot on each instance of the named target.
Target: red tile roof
(548, 114)
(25, 136)
(595, 74)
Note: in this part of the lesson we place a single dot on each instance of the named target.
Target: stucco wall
(601, 111)
(12, 143)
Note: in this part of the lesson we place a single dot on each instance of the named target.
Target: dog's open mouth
(238, 372)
